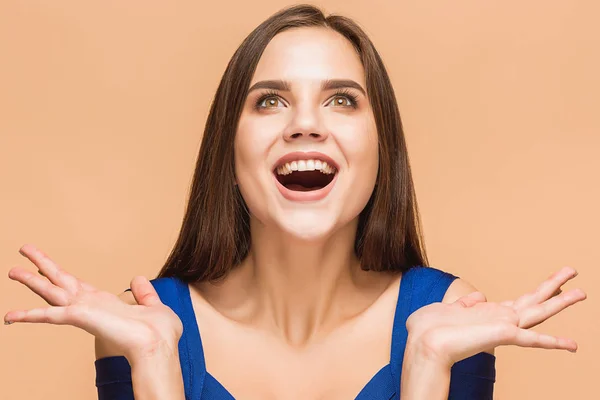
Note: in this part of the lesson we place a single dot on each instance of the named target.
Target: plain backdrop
(102, 108)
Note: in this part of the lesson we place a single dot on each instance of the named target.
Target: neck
(298, 289)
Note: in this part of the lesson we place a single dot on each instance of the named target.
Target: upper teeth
(305, 165)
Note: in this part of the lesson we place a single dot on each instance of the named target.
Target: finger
(535, 315)
(529, 338)
(143, 291)
(83, 284)
(471, 299)
(510, 303)
(49, 268)
(50, 315)
(546, 289)
(53, 295)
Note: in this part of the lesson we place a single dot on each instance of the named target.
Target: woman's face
(307, 96)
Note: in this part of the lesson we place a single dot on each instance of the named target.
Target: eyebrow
(328, 84)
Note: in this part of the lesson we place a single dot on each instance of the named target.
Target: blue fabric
(471, 379)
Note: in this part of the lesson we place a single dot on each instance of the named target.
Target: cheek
(252, 142)
(250, 145)
(258, 133)
(247, 161)
(359, 143)
(361, 150)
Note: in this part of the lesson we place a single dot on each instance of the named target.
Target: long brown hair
(215, 232)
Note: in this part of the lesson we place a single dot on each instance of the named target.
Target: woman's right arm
(157, 375)
(146, 332)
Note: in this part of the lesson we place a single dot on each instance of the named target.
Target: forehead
(309, 54)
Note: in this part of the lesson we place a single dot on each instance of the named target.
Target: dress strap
(192, 343)
(419, 286)
(170, 294)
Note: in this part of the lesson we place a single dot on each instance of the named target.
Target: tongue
(299, 188)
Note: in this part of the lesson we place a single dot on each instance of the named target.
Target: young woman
(300, 271)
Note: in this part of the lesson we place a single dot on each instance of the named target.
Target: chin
(307, 225)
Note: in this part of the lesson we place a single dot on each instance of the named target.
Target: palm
(470, 325)
(131, 329)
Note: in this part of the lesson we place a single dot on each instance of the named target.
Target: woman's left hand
(448, 333)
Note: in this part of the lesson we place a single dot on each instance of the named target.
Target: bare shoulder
(457, 289)
(102, 349)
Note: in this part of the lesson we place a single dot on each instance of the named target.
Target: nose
(313, 135)
(305, 125)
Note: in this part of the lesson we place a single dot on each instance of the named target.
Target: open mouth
(305, 176)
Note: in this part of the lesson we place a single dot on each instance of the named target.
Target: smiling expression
(306, 153)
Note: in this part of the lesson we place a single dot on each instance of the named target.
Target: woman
(300, 256)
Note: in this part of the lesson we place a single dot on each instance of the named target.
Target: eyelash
(340, 93)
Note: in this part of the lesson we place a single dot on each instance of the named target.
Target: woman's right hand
(136, 331)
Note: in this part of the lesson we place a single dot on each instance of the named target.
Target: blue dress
(471, 379)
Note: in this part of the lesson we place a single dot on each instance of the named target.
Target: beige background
(102, 105)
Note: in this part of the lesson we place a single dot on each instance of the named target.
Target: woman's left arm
(424, 377)
(473, 377)
(442, 334)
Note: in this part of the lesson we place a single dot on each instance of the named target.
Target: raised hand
(135, 330)
(449, 333)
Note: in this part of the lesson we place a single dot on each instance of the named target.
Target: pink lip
(300, 155)
(312, 195)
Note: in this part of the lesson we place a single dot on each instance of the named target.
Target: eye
(270, 99)
(341, 101)
(344, 99)
(269, 102)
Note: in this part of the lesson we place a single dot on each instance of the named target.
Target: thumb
(471, 299)
(144, 292)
